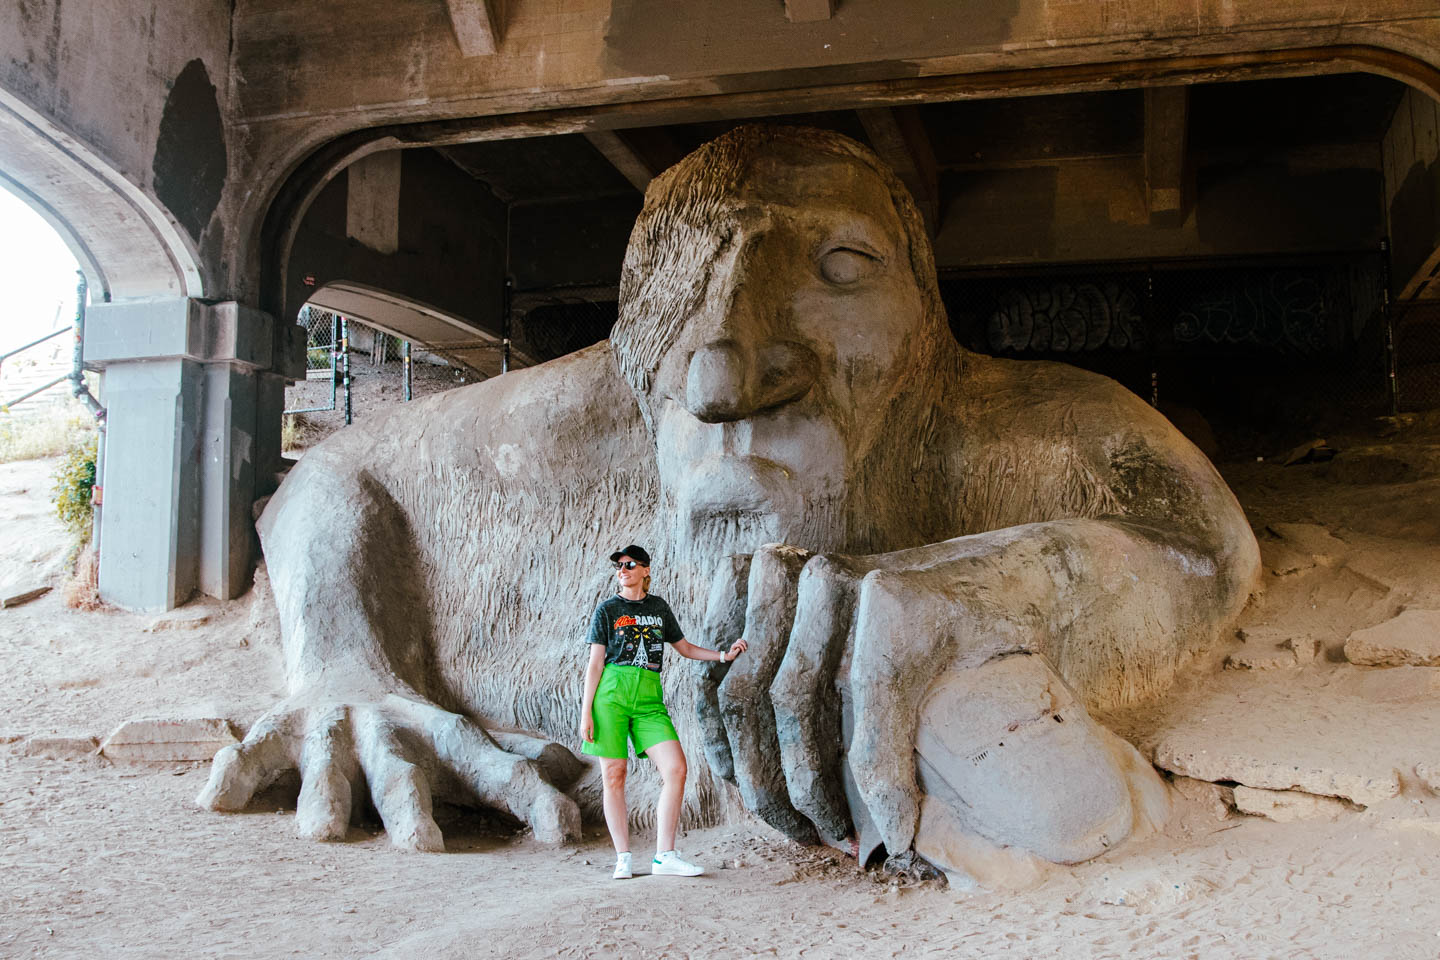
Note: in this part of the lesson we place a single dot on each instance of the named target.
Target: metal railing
(34, 343)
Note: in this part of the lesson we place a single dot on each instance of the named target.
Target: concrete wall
(1412, 185)
(384, 53)
(570, 244)
(381, 63)
(451, 249)
(143, 85)
(1318, 199)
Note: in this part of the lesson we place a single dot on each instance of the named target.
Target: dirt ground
(113, 860)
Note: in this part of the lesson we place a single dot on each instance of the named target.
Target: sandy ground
(102, 859)
(373, 390)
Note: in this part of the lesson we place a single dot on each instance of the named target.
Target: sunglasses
(627, 564)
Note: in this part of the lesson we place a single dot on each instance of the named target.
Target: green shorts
(628, 706)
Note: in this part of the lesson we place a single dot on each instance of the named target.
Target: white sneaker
(622, 866)
(669, 864)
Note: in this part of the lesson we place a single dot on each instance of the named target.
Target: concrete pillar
(187, 424)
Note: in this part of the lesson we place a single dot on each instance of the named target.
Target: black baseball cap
(634, 552)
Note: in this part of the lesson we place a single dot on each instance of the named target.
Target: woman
(622, 702)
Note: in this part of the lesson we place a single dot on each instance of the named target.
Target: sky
(37, 275)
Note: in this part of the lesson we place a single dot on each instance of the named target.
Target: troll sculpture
(941, 561)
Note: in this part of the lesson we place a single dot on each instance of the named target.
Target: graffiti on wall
(1287, 310)
(1307, 311)
(1066, 317)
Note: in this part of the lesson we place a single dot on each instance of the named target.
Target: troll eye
(845, 265)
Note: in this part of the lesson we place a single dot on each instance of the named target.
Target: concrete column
(149, 536)
(186, 421)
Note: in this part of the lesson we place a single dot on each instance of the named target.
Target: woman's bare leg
(617, 817)
(669, 759)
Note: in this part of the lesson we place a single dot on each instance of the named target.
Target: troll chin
(736, 504)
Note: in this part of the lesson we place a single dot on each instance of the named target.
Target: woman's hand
(587, 728)
(737, 648)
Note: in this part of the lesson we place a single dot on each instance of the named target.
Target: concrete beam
(808, 11)
(477, 25)
(898, 136)
(623, 157)
(1166, 123)
(124, 241)
(372, 201)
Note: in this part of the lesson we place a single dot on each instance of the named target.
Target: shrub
(30, 435)
(74, 481)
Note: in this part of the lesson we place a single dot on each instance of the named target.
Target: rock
(1395, 685)
(986, 731)
(969, 861)
(57, 746)
(1282, 560)
(181, 621)
(1255, 763)
(1429, 772)
(1270, 648)
(1215, 797)
(1410, 639)
(1311, 538)
(1312, 451)
(1286, 806)
(13, 596)
(1272, 658)
(164, 740)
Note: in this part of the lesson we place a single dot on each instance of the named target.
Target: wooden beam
(808, 11)
(1422, 285)
(899, 137)
(622, 157)
(477, 25)
(1166, 123)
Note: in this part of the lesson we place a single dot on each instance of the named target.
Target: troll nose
(726, 381)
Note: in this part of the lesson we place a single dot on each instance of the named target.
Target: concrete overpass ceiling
(1290, 111)
(571, 197)
(1028, 129)
(1278, 112)
(539, 169)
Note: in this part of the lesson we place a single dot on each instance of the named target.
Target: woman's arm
(593, 669)
(687, 649)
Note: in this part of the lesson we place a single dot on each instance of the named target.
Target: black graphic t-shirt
(635, 632)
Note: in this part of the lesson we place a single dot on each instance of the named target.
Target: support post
(505, 326)
(407, 373)
(345, 362)
(185, 437)
(1167, 112)
(1392, 374)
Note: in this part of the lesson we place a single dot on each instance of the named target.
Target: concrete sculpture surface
(940, 560)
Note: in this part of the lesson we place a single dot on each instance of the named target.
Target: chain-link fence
(322, 359)
(1252, 345)
(1417, 354)
(554, 327)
